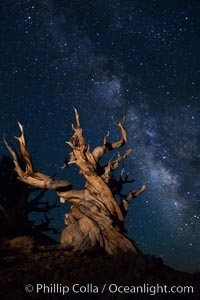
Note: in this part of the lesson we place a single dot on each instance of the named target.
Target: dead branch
(133, 194)
(29, 175)
(113, 165)
(107, 146)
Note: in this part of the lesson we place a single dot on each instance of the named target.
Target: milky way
(109, 59)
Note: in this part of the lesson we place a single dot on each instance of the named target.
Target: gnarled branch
(29, 175)
(113, 165)
(133, 194)
(108, 146)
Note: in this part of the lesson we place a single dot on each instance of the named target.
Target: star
(113, 60)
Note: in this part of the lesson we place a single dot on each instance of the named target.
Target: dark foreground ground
(26, 265)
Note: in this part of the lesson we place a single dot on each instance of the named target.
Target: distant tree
(96, 219)
(17, 202)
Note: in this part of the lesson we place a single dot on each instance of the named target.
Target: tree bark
(96, 219)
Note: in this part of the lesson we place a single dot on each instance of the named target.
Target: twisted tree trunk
(96, 219)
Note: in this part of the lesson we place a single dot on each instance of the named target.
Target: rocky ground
(25, 262)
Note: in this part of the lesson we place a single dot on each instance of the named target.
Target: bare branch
(18, 169)
(30, 176)
(77, 118)
(105, 138)
(72, 195)
(125, 201)
(77, 139)
(107, 146)
(113, 165)
(123, 139)
(136, 193)
(25, 155)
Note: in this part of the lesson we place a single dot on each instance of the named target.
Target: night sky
(113, 58)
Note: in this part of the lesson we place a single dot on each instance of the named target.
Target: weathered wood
(96, 219)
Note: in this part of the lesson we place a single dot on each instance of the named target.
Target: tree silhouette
(17, 202)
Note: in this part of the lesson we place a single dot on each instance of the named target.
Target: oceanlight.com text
(111, 288)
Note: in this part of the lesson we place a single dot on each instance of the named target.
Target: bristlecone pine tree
(96, 219)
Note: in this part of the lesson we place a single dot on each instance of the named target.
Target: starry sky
(113, 58)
